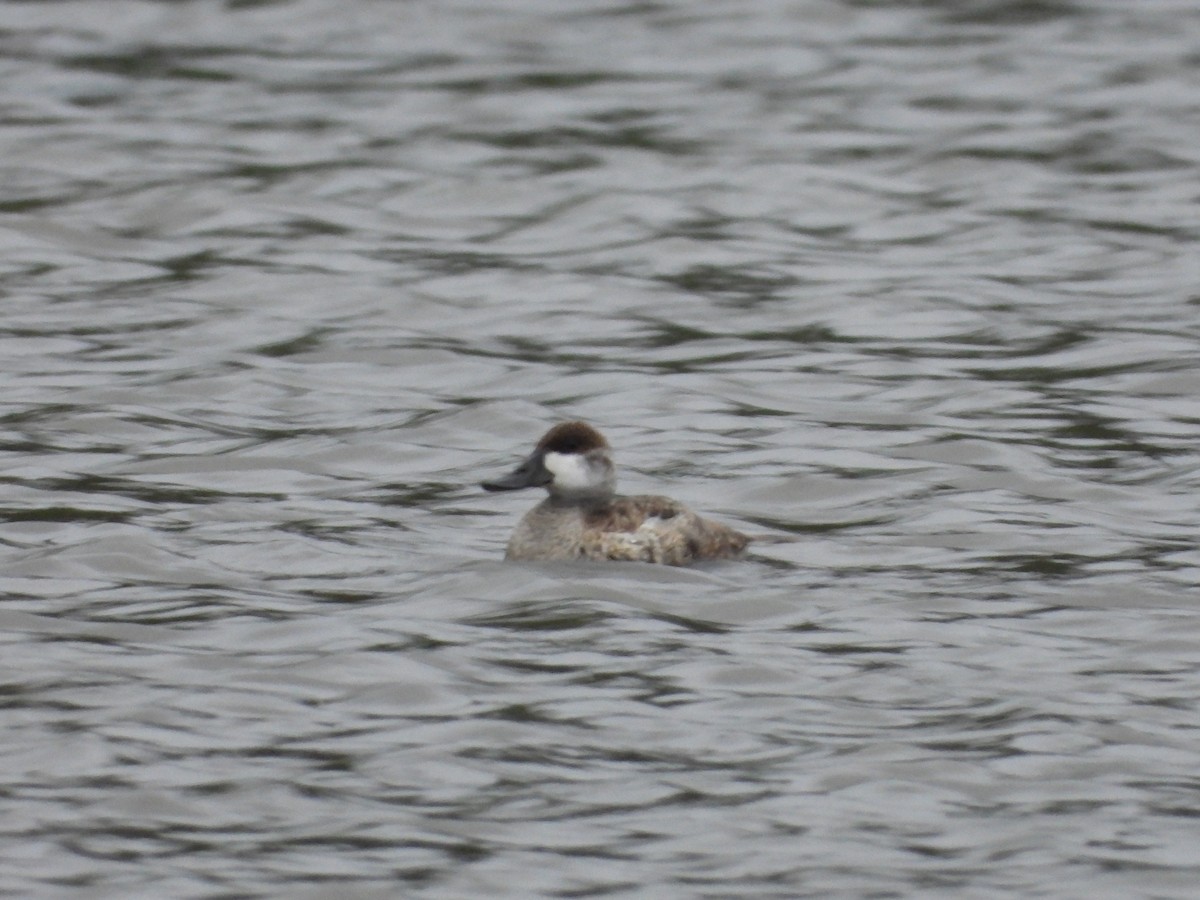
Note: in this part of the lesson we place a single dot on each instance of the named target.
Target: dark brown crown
(571, 437)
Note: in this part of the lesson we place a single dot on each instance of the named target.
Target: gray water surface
(908, 290)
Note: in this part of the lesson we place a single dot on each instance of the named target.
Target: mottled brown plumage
(628, 513)
(583, 518)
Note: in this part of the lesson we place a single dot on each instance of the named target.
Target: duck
(583, 517)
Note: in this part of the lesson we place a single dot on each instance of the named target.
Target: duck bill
(530, 473)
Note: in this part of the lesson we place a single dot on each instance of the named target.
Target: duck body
(584, 518)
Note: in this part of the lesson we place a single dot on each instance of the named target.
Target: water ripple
(905, 290)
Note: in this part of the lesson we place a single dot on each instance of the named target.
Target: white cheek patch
(570, 470)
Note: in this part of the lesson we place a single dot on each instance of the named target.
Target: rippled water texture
(908, 290)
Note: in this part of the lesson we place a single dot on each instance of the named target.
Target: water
(908, 290)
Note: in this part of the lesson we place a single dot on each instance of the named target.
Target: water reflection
(905, 288)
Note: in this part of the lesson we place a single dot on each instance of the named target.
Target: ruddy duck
(584, 518)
